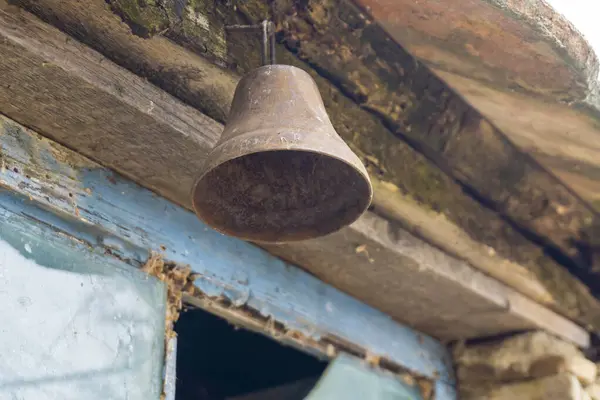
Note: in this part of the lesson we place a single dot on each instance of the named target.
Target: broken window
(217, 361)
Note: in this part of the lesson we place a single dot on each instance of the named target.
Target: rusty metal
(280, 172)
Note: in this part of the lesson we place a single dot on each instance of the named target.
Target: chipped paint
(170, 373)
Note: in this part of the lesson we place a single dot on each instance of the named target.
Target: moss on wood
(146, 17)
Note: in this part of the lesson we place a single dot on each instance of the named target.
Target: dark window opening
(216, 361)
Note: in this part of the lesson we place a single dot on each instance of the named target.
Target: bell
(280, 172)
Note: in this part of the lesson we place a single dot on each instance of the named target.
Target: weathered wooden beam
(416, 105)
(83, 100)
(412, 189)
(77, 95)
(522, 64)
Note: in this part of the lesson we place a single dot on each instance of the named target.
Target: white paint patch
(71, 334)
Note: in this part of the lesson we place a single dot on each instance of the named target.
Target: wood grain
(385, 79)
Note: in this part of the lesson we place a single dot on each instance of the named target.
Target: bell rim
(361, 170)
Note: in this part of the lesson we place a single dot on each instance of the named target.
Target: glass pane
(75, 325)
(348, 378)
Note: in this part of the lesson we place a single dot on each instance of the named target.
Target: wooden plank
(422, 109)
(536, 65)
(447, 129)
(103, 100)
(485, 239)
(76, 201)
(440, 295)
(428, 289)
(560, 137)
(442, 233)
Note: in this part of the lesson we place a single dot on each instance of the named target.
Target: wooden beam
(419, 107)
(433, 292)
(71, 84)
(523, 65)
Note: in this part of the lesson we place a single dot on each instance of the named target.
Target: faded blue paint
(349, 378)
(109, 212)
(76, 324)
(444, 391)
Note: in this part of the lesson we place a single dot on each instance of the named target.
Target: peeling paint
(178, 280)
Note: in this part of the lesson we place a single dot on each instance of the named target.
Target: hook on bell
(280, 172)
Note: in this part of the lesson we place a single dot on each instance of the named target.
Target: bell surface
(280, 172)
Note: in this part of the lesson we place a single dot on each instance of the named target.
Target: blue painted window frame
(108, 215)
